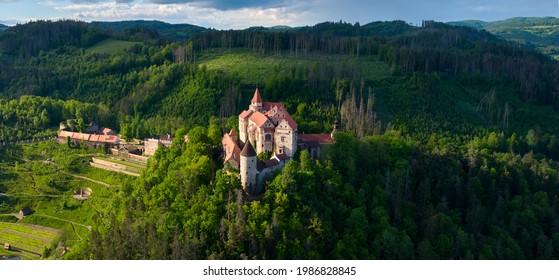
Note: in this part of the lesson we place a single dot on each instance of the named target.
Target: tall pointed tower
(256, 102)
(248, 168)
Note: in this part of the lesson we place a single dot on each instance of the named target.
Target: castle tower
(256, 102)
(248, 168)
(335, 130)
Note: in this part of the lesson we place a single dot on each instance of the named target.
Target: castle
(266, 127)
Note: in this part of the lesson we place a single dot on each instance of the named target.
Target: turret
(335, 130)
(248, 168)
(256, 102)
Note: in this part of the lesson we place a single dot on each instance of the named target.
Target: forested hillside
(541, 33)
(448, 147)
(180, 32)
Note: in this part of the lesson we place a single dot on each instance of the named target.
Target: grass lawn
(131, 167)
(110, 46)
(127, 162)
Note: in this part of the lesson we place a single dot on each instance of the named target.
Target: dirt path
(80, 177)
(68, 221)
(92, 180)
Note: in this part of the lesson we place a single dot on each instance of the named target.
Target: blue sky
(224, 14)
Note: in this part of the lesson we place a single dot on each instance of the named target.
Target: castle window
(283, 139)
(268, 137)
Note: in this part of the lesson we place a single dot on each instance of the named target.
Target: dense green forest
(448, 147)
(436, 200)
(180, 32)
(539, 33)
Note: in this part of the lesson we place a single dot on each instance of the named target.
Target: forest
(535, 32)
(448, 147)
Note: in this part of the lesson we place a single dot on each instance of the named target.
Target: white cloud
(238, 14)
(189, 13)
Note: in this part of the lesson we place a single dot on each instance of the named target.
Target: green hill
(47, 35)
(541, 33)
(448, 147)
(180, 32)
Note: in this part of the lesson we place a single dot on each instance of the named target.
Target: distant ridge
(280, 27)
(2, 27)
(181, 32)
(542, 33)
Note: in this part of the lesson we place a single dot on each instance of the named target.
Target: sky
(239, 14)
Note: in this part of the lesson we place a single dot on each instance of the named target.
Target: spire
(232, 133)
(256, 98)
(248, 150)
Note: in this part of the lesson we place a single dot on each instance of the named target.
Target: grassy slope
(255, 69)
(110, 46)
(48, 188)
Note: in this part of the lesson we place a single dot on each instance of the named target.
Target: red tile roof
(107, 131)
(63, 133)
(258, 118)
(234, 157)
(95, 138)
(245, 114)
(232, 150)
(232, 133)
(314, 139)
(256, 98)
(228, 142)
(290, 122)
(111, 139)
(267, 106)
(81, 136)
